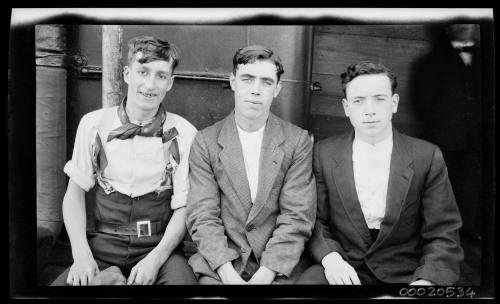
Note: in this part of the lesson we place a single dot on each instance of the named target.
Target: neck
(139, 114)
(373, 140)
(249, 125)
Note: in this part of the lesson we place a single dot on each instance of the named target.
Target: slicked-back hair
(152, 49)
(253, 53)
(366, 68)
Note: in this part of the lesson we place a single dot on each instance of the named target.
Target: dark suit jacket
(418, 236)
(223, 222)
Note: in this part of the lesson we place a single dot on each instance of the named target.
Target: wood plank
(333, 53)
(400, 31)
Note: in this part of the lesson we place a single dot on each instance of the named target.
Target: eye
(162, 77)
(142, 72)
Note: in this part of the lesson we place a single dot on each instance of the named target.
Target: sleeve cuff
(84, 181)
(177, 203)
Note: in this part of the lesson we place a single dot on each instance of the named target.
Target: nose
(256, 87)
(150, 82)
(369, 108)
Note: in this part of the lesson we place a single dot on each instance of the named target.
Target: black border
(22, 183)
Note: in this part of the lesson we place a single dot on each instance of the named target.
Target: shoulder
(416, 146)
(212, 131)
(289, 129)
(92, 119)
(183, 126)
(335, 142)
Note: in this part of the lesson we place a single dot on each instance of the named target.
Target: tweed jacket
(418, 236)
(221, 219)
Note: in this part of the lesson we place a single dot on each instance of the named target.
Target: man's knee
(176, 271)
(61, 279)
(206, 280)
(314, 275)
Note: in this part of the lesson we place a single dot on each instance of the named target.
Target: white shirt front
(371, 164)
(136, 166)
(251, 143)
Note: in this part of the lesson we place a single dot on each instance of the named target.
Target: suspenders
(99, 160)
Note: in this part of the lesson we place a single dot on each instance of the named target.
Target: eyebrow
(364, 97)
(253, 77)
(158, 72)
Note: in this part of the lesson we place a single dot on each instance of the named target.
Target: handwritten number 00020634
(431, 291)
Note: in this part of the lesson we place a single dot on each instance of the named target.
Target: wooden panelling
(333, 53)
(400, 31)
(398, 47)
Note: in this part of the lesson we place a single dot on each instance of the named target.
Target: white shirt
(136, 165)
(251, 143)
(371, 164)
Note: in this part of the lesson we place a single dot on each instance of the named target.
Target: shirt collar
(384, 146)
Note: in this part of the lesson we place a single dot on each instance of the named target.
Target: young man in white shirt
(137, 153)
(252, 202)
(386, 210)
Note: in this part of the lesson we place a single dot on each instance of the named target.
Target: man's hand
(146, 270)
(263, 276)
(422, 283)
(82, 271)
(338, 271)
(228, 275)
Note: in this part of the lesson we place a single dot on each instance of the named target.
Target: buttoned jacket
(222, 220)
(418, 237)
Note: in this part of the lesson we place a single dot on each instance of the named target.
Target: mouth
(253, 102)
(148, 95)
(370, 123)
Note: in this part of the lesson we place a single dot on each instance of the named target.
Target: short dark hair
(252, 53)
(152, 49)
(367, 68)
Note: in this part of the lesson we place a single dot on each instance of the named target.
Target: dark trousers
(125, 251)
(315, 275)
(175, 271)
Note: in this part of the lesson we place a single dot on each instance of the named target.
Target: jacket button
(250, 228)
(243, 250)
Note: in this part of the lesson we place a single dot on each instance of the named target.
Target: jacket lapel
(343, 174)
(271, 157)
(400, 177)
(231, 157)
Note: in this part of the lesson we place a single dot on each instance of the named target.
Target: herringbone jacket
(221, 219)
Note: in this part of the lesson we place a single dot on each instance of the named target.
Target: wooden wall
(336, 46)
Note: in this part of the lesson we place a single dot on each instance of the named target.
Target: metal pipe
(112, 77)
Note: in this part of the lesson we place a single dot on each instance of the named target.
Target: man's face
(254, 85)
(369, 104)
(147, 83)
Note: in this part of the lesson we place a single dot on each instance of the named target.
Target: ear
(395, 102)
(171, 83)
(346, 107)
(277, 89)
(232, 81)
(126, 74)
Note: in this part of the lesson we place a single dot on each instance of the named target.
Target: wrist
(331, 257)
(225, 270)
(81, 253)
